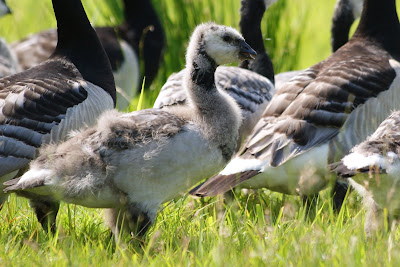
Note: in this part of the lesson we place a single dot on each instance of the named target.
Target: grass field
(256, 228)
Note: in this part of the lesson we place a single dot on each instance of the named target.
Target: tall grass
(256, 228)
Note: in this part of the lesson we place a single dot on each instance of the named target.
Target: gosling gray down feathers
(250, 90)
(317, 117)
(373, 168)
(67, 92)
(135, 162)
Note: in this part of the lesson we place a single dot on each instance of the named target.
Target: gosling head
(4, 9)
(223, 44)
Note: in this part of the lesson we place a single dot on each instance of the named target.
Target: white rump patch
(35, 175)
(356, 161)
(238, 165)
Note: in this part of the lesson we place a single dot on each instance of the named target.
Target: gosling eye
(227, 38)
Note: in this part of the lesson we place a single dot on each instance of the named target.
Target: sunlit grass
(257, 228)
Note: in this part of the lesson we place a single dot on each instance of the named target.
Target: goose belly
(305, 174)
(169, 172)
(104, 198)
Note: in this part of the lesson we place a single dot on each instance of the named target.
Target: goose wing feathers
(310, 110)
(249, 89)
(43, 104)
(36, 48)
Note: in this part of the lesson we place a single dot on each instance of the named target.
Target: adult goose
(67, 92)
(137, 161)
(120, 43)
(373, 168)
(317, 117)
(250, 90)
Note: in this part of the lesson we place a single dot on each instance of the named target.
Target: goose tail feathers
(221, 183)
(31, 179)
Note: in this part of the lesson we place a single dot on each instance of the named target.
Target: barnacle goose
(321, 114)
(121, 44)
(135, 162)
(67, 92)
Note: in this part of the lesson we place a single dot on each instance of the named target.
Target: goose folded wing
(302, 117)
(39, 106)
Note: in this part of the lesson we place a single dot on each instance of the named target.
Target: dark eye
(227, 38)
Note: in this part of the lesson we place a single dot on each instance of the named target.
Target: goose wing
(44, 104)
(312, 108)
(249, 89)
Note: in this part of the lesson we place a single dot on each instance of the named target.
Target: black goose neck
(342, 19)
(380, 23)
(140, 14)
(78, 43)
(251, 14)
(142, 29)
(203, 70)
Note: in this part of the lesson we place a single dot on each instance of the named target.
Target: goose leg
(129, 219)
(2, 200)
(310, 205)
(338, 193)
(46, 213)
(374, 217)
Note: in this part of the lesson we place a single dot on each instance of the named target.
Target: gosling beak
(246, 52)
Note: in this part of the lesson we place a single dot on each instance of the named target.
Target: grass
(256, 228)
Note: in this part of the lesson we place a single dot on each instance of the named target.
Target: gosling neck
(202, 71)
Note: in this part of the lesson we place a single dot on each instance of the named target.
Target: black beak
(246, 52)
